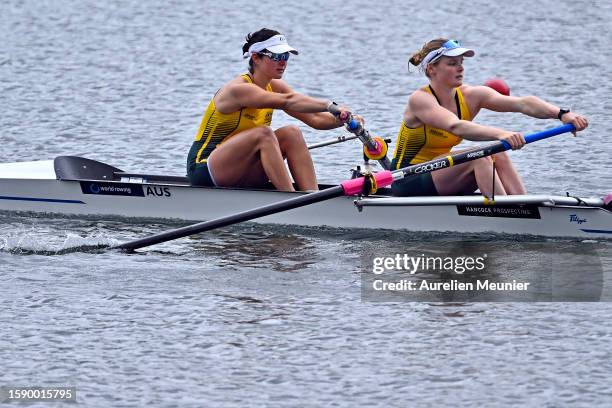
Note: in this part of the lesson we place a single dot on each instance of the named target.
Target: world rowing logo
(115, 189)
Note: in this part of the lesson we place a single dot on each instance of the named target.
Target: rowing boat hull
(39, 191)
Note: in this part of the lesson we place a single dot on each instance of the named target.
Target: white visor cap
(455, 52)
(451, 48)
(277, 44)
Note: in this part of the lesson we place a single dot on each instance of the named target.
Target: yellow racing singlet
(423, 143)
(216, 127)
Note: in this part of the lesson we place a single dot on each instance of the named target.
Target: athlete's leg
(483, 173)
(467, 177)
(294, 148)
(231, 162)
(255, 176)
(513, 184)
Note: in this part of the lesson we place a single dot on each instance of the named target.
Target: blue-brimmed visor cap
(451, 48)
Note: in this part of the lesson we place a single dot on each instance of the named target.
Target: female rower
(235, 145)
(438, 117)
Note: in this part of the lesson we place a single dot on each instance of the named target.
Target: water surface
(272, 316)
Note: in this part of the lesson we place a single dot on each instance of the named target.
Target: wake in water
(27, 243)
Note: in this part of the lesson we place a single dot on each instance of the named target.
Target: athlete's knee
(291, 135)
(502, 157)
(265, 136)
(483, 163)
(293, 131)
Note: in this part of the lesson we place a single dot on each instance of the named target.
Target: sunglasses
(436, 54)
(276, 57)
(450, 44)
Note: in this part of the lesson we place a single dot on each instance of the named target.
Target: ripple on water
(273, 316)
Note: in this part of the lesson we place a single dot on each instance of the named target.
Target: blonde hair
(417, 57)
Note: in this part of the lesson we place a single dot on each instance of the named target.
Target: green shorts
(421, 185)
(199, 175)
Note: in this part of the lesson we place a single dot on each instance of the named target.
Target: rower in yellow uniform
(217, 126)
(235, 145)
(439, 116)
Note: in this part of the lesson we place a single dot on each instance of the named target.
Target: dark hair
(255, 37)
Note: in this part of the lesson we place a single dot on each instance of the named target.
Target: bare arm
(319, 121)
(427, 110)
(316, 120)
(527, 105)
(237, 96)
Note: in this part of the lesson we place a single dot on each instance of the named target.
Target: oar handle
(353, 124)
(544, 134)
(375, 148)
(334, 109)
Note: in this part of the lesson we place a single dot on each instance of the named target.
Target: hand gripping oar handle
(476, 153)
(544, 134)
(386, 178)
(349, 187)
(374, 148)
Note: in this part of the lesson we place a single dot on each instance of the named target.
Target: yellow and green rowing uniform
(215, 129)
(421, 144)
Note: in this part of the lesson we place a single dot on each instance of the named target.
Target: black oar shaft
(480, 151)
(243, 216)
(455, 159)
(348, 187)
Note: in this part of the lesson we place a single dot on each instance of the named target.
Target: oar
(374, 148)
(379, 152)
(349, 187)
(339, 139)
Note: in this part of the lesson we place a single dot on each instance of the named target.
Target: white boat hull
(40, 192)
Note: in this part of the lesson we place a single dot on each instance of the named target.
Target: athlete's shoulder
(241, 79)
(240, 84)
(422, 91)
(421, 95)
(280, 86)
(476, 95)
(467, 89)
